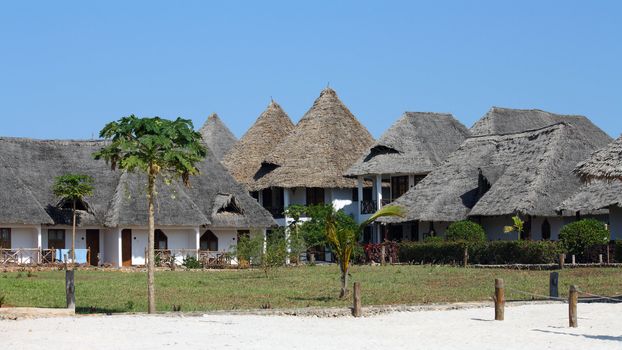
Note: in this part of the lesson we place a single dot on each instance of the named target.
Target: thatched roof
(604, 164)
(499, 120)
(244, 159)
(217, 136)
(28, 169)
(527, 172)
(323, 145)
(597, 194)
(414, 144)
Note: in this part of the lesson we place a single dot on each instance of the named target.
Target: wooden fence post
(574, 261)
(383, 255)
(499, 299)
(600, 259)
(562, 259)
(553, 284)
(70, 290)
(573, 297)
(465, 259)
(356, 307)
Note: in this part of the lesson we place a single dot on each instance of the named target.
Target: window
(5, 238)
(56, 239)
(355, 194)
(399, 186)
(209, 241)
(368, 234)
(396, 233)
(161, 241)
(418, 179)
(414, 231)
(546, 230)
(315, 196)
(367, 193)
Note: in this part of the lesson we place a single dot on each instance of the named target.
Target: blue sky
(67, 68)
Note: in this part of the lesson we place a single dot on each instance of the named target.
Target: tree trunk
(344, 281)
(73, 236)
(150, 243)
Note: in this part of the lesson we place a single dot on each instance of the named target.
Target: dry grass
(318, 286)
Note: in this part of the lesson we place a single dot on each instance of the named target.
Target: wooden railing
(207, 258)
(27, 256)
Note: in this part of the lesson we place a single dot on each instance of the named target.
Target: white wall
(23, 237)
(111, 246)
(341, 198)
(178, 238)
(297, 195)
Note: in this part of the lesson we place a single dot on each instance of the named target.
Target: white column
(378, 191)
(38, 228)
(265, 240)
(411, 181)
(102, 244)
(359, 188)
(197, 239)
(285, 205)
(119, 248)
(260, 197)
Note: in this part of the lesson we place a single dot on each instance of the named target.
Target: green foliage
(433, 239)
(153, 145)
(191, 262)
(491, 252)
(72, 187)
(580, 235)
(518, 225)
(465, 231)
(276, 250)
(249, 249)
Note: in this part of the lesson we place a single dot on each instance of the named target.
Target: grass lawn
(317, 286)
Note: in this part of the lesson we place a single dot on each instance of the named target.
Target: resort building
(602, 174)
(307, 166)
(218, 138)
(517, 162)
(202, 220)
(411, 148)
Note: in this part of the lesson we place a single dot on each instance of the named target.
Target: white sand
(525, 327)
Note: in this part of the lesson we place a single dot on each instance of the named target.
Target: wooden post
(356, 307)
(383, 253)
(312, 258)
(499, 299)
(608, 261)
(573, 260)
(553, 284)
(65, 257)
(573, 297)
(600, 259)
(562, 259)
(146, 256)
(465, 260)
(70, 290)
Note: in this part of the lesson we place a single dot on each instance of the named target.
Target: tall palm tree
(343, 239)
(73, 188)
(157, 147)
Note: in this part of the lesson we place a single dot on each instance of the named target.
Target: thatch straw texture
(414, 144)
(218, 138)
(604, 164)
(528, 172)
(499, 120)
(323, 145)
(244, 159)
(28, 169)
(597, 194)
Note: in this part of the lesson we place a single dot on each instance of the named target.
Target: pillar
(38, 229)
(378, 184)
(120, 248)
(197, 239)
(265, 240)
(359, 187)
(285, 205)
(260, 197)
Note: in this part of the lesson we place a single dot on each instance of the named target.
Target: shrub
(248, 250)
(496, 252)
(191, 262)
(580, 235)
(465, 231)
(434, 239)
(373, 251)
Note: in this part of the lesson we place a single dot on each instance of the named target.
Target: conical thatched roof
(217, 136)
(414, 144)
(527, 172)
(323, 145)
(244, 159)
(28, 169)
(604, 164)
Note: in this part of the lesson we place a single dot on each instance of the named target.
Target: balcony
(369, 207)
(277, 212)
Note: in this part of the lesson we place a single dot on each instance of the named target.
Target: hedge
(492, 253)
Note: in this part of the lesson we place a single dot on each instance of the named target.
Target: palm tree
(73, 188)
(157, 147)
(343, 239)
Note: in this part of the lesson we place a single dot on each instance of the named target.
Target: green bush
(191, 262)
(434, 239)
(465, 231)
(578, 236)
(495, 252)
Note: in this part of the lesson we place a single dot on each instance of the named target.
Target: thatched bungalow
(413, 146)
(602, 174)
(217, 136)
(517, 162)
(308, 165)
(245, 158)
(112, 222)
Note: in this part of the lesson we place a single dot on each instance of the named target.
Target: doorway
(92, 243)
(126, 247)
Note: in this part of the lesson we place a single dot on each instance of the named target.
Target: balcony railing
(369, 207)
(27, 256)
(277, 212)
(207, 258)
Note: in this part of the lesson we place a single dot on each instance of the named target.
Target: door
(92, 243)
(126, 247)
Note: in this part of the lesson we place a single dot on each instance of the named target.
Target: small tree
(73, 188)
(465, 231)
(343, 238)
(518, 225)
(577, 236)
(156, 147)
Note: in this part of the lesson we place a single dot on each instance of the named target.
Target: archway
(208, 241)
(160, 241)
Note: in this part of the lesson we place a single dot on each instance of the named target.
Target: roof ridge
(528, 131)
